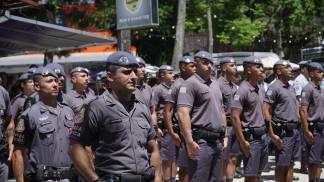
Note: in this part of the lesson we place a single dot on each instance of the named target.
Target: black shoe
(303, 171)
(295, 178)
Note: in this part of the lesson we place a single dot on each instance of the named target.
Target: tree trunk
(210, 31)
(279, 42)
(180, 31)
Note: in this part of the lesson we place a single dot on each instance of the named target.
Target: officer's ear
(110, 77)
(37, 86)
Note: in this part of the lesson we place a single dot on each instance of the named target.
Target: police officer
(299, 83)
(166, 145)
(143, 91)
(228, 89)
(187, 69)
(43, 131)
(19, 104)
(247, 106)
(281, 114)
(4, 119)
(119, 128)
(80, 94)
(202, 121)
(59, 70)
(102, 79)
(302, 79)
(312, 119)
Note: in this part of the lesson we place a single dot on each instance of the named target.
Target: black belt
(44, 173)
(209, 136)
(319, 125)
(254, 133)
(125, 178)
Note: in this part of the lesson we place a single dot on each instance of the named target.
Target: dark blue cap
(226, 60)
(43, 71)
(79, 69)
(25, 76)
(204, 55)
(315, 66)
(166, 68)
(303, 63)
(252, 60)
(282, 62)
(140, 61)
(31, 70)
(186, 59)
(57, 68)
(121, 58)
(101, 75)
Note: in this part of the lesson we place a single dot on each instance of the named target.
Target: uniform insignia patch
(236, 97)
(269, 92)
(169, 91)
(43, 118)
(183, 90)
(303, 94)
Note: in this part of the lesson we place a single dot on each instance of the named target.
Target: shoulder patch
(269, 92)
(236, 97)
(20, 125)
(183, 90)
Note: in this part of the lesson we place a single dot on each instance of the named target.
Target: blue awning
(21, 35)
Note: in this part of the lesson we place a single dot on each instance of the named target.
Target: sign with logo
(137, 13)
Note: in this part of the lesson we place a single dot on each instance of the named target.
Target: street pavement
(269, 176)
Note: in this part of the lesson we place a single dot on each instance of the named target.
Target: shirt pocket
(68, 122)
(142, 133)
(115, 126)
(115, 133)
(46, 133)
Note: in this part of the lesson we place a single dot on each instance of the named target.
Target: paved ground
(269, 176)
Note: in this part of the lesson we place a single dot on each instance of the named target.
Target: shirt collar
(111, 100)
(207, 82)
(44, 108)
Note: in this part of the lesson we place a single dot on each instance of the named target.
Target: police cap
(57, 68)
(165, 68)
(121, 58)
(315, 66)
(226, 60)
(43, 71)
(140, 61)
(79, 69)
(252, 60)
(204, 55)
(102, 75)
(186, 59)
(25, 76)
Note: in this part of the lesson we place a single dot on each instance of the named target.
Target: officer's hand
(309, 137)
(176, 139)
(159, 133)
(277, 141)
(192, 149)
(245, 146)
(225, 143)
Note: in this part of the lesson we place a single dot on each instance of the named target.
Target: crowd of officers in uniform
(192, 124)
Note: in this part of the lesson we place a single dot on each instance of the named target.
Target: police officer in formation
(228, 89)
(166, 145)
(250, 128)
(80, 94)
(59, 70)
(43, 132)
(143, 91)
(312, 119)
(187, 68)
(281, 114)
(119, 127)
(202, 121)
